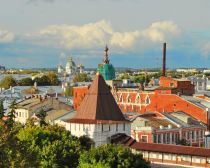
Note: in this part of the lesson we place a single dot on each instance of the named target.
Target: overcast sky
(42, 33)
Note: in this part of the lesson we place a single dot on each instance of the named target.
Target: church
(71, 68)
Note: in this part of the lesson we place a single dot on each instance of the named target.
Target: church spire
(106, 56)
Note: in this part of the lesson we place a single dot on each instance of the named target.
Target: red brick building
(160, 100)
(78, 95)
(182, 86)
(170, 128)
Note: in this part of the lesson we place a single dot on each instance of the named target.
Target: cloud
(124, 40)
(158, 31)
(94, 35)
(6, 36)
(85, 36)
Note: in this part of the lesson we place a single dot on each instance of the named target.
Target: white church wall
(100, 133)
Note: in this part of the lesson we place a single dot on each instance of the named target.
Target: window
(128, 99)
(144, 138)
(121, 98)
(116, 127)
(147, 101)
(137, 99)
(123, 126)
(102, 127)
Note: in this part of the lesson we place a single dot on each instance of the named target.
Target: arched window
(128, 99)
(147, 100)
(137, 99)
(121, 98)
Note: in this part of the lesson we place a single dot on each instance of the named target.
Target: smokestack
(164, 60)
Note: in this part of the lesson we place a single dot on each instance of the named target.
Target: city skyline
(42, 33)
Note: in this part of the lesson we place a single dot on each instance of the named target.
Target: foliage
(82, 77)
(53, 79)
(53, 145)
(124, 76)
(13, 153)
(50, 79)
(68, 91)
(1, 109)
(41, 115)
(86, 142)
(7, 81)
(11, 115)
(42, 81)
(25, 82)
(112, 156)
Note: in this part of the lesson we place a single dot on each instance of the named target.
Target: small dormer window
(147, 101)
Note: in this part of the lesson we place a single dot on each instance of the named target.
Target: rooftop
(99, 105)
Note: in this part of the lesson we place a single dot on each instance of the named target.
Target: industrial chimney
(164, 60)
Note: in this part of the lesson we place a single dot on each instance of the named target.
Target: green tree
(13, 153)
(53, 146)
(7, 81)
(124, 76)
(25, 82)
(68, 91)
(1, 109)
(11, 115)
(82, 77)
(43, 81)
(112, 156)
(86, 142)
(42, 115)
(53, 78)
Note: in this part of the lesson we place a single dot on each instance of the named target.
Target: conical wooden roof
(99, 105)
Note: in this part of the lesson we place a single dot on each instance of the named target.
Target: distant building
(187, 70)
(106, 69)
(31, 106)
(98, 116)
(71, 68)
(170, 128)
(60, 69)
(200, 83)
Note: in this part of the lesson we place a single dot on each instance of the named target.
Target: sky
(44, 33)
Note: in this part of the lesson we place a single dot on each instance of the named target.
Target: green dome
(107, 71)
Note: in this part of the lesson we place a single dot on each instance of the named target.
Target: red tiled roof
(98, 105)
(162, 148)
(176, 149)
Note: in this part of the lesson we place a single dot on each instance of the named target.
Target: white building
(60, 69)
(98, 116)
(70, 66)
(199, 82)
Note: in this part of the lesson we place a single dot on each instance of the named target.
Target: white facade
(60, 69)
(70, 67)
(21, 115)
(99, 133)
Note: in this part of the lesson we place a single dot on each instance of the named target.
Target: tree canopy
(53, 146)
(25, 82)
(49, 79)
(112, 156)
(8, 81)
(82, 77)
